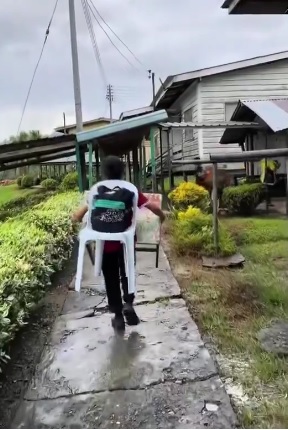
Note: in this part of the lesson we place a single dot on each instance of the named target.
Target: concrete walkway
(159, 375)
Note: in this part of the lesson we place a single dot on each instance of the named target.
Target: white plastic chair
(87, 234)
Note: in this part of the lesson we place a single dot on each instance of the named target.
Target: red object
(115, 246)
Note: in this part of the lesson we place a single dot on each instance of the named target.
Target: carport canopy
(13, 155)
(123, 136)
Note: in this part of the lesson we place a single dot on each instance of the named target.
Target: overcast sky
(168, 36)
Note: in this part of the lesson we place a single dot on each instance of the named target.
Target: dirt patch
(26, 349)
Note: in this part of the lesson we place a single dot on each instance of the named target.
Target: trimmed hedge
(70, 181)
(49, 184)
(27, 181)
(243, 199)
(32, 246)
(21, 204)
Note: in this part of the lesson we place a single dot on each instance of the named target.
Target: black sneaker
(130, 314)
(118, 323)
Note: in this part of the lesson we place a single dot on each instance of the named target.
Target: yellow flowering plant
(189, 213)
(190, 194)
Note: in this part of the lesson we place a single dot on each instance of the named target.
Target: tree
(25, 136)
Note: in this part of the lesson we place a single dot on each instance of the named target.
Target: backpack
(112, 210)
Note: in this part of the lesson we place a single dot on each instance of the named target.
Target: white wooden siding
(190, 146)
(264, 81)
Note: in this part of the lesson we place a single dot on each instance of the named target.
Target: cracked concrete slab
(84, 354)
(158, 375)
(193, 405)
(152, 284)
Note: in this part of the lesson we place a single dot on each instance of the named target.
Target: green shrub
(194, 236)
(27, 181)
(190, 194)
(21, 204)
(19, 181)
(49, 184)
(70, 181)
(32, 246)
(243, 199)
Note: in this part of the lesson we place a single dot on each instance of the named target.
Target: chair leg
(98, 257)
(157, 256)
(80, 264)
(130, 258)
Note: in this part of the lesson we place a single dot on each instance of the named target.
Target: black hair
(113, 167)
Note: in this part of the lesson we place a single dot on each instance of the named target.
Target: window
(229, 110)
(188, 117)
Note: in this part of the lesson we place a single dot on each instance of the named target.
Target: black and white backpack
(112, 209)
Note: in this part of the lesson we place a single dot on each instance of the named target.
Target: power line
(111, 41)
(37, 65)
(95, 46)
(115, 34)
(151, 74)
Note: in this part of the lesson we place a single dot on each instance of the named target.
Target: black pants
(113, 268)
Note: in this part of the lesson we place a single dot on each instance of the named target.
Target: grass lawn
(230, 306)
(10, 192)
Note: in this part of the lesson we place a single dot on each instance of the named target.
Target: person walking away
(113, 264)
(268, 176)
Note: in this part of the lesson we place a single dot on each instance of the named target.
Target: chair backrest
(148, 224)
(113, 184)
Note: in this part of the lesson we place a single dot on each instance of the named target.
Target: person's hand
(162, 217)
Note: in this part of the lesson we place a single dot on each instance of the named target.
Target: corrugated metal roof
(273, 112)
(123, 136)
(91, 121)
(258, 7)
(135, 112)
(175, 85)
(224, 124)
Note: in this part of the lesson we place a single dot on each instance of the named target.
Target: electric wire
(93, 39)
(111, 41)
(36, 67)
(116, 35)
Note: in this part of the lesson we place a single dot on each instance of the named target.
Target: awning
(122, 136)
(18, 154)
(274, 113)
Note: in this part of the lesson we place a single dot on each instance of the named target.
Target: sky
(167, 36)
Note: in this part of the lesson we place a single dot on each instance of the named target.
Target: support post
(140, 167)
(144, 173)
(153, 161)
(252, 162)
(79, 168)
(286, 162)
(215, 208)
(90, 164)
(170, 173)
(135, 167)
(97, 163)
(162, 182)
(129, 167)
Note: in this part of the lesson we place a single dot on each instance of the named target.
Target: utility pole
(80, 156)
(110, 98)
(75, 64)
(152, 77)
